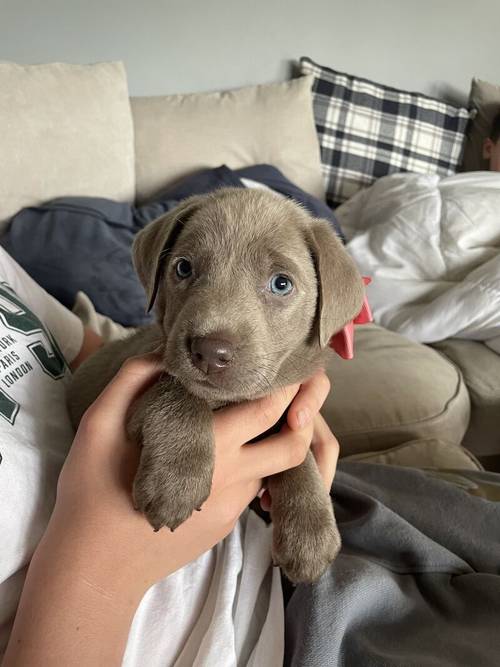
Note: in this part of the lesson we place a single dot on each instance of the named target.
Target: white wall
(178, 46)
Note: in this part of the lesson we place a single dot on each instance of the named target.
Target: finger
(278, 452)
(237, 424)
(265, 501)
(310, 398)
(135, 375)
(222, 509)
(325, 449)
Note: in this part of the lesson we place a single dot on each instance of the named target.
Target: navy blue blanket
(84, 243)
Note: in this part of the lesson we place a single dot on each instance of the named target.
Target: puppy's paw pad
(168, 501)
(305, 551)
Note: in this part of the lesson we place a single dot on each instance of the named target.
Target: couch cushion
(480, 367)
(176, 135)
(394, 391)
(428, 453)
(64, 130)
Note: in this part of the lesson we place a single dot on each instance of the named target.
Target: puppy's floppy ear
(154, 243)
(340, 286)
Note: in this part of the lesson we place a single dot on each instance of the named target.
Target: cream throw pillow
(176, 135)
(64, 130)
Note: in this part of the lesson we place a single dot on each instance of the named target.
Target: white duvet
(432, 247)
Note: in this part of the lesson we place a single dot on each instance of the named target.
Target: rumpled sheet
(417, 583)
(432, 247)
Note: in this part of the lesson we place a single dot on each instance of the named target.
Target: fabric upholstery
(368, 130)
(64, 130)
(480, 367)
(176, 135)
(427, 453)
(394, 391)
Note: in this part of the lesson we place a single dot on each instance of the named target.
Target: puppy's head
(244, 283)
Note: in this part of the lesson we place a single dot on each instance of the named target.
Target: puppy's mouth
(223, 385)
(213, 380)
(218, 367)
(233, 383)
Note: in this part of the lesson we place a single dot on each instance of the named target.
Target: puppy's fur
(236, 240)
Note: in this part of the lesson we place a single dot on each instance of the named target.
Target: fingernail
(303, 417)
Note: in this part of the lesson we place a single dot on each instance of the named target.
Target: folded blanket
(84, 244)
(417, 583)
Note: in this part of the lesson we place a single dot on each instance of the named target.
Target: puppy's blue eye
(183, 268)
(280, 285)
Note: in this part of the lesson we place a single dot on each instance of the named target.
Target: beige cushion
(64, 130)
(394, 391)
(179, 134)
(484, 99)
(428, 453)
(480, 367)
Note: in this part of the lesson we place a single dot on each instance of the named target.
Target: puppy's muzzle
(211, 354)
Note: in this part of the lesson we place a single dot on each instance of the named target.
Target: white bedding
(432, 247)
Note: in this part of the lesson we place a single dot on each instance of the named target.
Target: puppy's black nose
(211, 355)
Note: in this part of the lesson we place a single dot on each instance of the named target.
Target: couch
(396, 402)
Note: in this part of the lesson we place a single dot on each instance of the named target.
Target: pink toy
(343, 341)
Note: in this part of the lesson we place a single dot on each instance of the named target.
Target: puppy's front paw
(305, 542)
(167, 495)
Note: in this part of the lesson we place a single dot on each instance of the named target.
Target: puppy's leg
(177, 459)
(305, 534)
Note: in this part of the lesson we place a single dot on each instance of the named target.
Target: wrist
(77, 603)
(91, 552)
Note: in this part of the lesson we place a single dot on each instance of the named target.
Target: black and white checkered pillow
(367, 130)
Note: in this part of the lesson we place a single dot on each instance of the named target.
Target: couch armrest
(480, 368)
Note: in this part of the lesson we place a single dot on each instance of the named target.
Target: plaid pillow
(367, 130)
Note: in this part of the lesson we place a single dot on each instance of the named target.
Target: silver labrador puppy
(248, 288)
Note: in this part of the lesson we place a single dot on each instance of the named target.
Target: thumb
(133, 378)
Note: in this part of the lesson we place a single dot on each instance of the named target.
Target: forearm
(76, 607)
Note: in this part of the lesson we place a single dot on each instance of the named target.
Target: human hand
(94, 504)
(325, 449)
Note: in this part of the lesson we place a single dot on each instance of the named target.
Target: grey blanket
(417, 583)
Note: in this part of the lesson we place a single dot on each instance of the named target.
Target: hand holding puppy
(98, 555)
(94, 490)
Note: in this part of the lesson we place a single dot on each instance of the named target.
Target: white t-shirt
(223, 609)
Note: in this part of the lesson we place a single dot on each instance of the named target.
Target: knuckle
(229, 514)
(324, 383)
(134, 365)
(272, 410)
(298, 450)
(320, 388)
(333, 443)
(89, 422)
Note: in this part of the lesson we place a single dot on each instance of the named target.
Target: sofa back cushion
(176, 135)
(64, 130)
